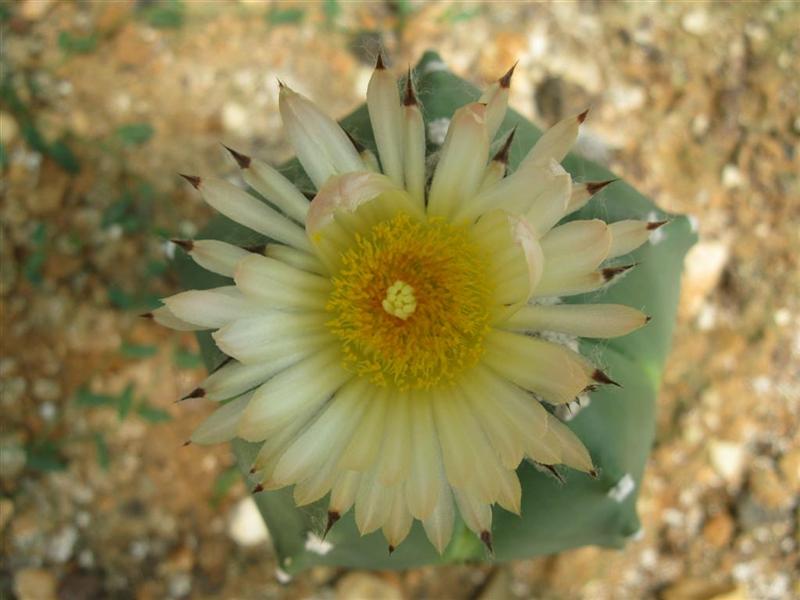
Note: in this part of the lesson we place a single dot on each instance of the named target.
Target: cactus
(617, 427)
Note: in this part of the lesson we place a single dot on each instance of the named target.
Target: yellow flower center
(411, 303)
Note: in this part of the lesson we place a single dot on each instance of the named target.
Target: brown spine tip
(502, 154)
(147, 315)
(589, 389)
(647, 319)
(595, 186)
(391, 549)
(257, 489)
(195, 393)
(379, 66)
(187, 245)
(281, 85)
(601, 377)
(505, 80)
(610, 272)
(252, 470)
(653, 225)
(409, 98)
(486, 538)
(193, 179)
(582, 116)
(241, 159)
(333, 516)
(593, 474)
(187, 443)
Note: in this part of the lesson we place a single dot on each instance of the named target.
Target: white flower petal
(373, 504)
(628, 235)
(164, 317)
(306, 384)
(395, 456)
(414, 153)
(281, 192)
(274, 284)
(343, 493)
(385, 115)
(582, 193)
(221, 425)
(439, 524)
(422, 485)
(235, 378)
(239, 206)
(550, 370)
(322, 147)
(550, 203)
(555, 142)
(298, 259)
(217, 257)
(582, 320)
(575, 247)
(212, 308)
(573, 453)
(362, 451)
(398, 523)
(477, 515)
(273, 336)
(462, 160)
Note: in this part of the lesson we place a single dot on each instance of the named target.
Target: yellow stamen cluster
(411, 302)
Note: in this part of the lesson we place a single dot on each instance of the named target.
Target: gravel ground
(697, 104)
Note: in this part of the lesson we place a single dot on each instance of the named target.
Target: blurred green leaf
(77, 44)
(165, 14)
(45, 456)
(101, 447)
(151, 414)
(129, 350)
(135, 134)
(332, 10)
(125, 402)
(60, 152)
(34, 263)
(456, 14)
(88, 399)
(184, 359)
(285, 16)
(223, 483)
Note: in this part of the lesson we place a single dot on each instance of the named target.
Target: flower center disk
(410, 304)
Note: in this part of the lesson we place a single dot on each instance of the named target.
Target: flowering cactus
(401, 352)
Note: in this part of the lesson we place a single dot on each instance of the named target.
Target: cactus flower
(392, 346)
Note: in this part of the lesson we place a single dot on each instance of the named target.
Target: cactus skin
(617, 428)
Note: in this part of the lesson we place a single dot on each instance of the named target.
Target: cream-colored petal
(422, 485)
(477, 515)
(582, 193)
(385, 115)
(373, 503)
(395, 456)
(274, 284)
(573, 453)
(217, 257)
(550, 203)
(239, 206)
(496, 99)
(322, 147)
(439, 524)
(308, 383)
(220, 426)
(314, 487)
(274, 335)
(298, 259)
(575, 247)
(164, 317)
(235, 378)
(212, 308)
(398, 524)
(555, 142)
(628, 235)
(554, 372)
(580, 283)
(362, 451)
(582, 320)
(414, 153)
(462, 160)
(326, 438)
(281, 192)
(343, 493)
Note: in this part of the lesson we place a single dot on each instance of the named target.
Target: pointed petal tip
(257, 489)
(409, 98)
(582, 117)
(555, 473)
(379, 65)
(505, 80)
(502, 154)
(647, 319)
(653, 225)
(595, 186)
(147, 315)
(594, 474)
(610, 272)
(195, 393)
(601, 377)
(391, 549)
(241, 159)
(187, 245)
(251, 471)
(333, 516)
(486, 538)
(193, 179)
